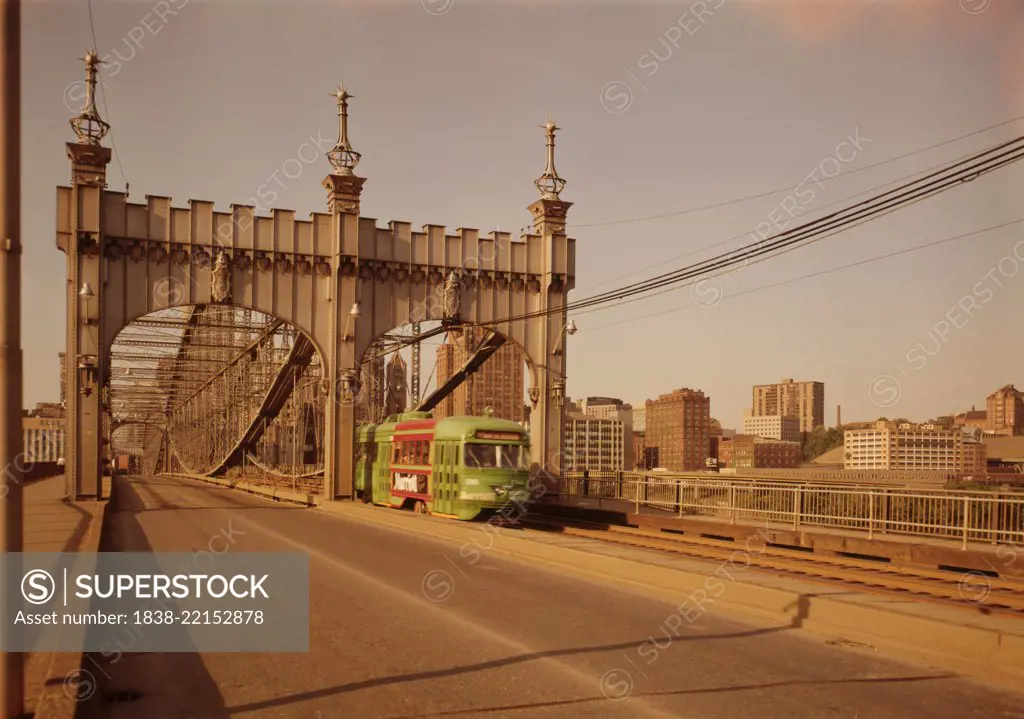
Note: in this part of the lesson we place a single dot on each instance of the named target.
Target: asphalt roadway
(501, 639)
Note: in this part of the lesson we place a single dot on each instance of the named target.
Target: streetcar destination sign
(503, 436)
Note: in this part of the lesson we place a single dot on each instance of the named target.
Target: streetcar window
(417, 452)
(497, 456)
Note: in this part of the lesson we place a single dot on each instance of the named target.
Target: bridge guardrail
(992, 517)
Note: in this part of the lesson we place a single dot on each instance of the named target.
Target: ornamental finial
(89, 127)
(342, 157)
(550, 184)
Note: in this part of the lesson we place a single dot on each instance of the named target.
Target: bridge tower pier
(348, 338)
(547, 420)
(338, 278)
(86, 356)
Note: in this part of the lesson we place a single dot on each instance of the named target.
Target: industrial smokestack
(839, 416)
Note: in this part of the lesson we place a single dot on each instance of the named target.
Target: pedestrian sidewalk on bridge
(53, 686)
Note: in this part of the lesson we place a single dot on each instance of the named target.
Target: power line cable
(810, 275)
(829, 234)
(676, 287)
(767, 193)
(935, 183)
(838, 201)
(954, 174)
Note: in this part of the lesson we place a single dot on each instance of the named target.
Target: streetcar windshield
(497, 456)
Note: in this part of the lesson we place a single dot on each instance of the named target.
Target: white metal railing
(966, 516)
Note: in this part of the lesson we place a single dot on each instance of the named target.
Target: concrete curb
(67, 676)
(260, 490)
(991, 654)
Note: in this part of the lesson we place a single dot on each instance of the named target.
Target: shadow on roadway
(683, 692)
(121, 676)
(801, 607)
(493, 664)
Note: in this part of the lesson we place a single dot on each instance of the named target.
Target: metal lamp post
(12, 680)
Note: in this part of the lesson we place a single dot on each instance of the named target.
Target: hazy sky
(666, 106)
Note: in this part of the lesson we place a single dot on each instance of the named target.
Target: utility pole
(12, 681)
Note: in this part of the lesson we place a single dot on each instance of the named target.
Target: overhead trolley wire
(902, 196)
(932, 184)
(810, 275)
(768, 193)
(833, 203)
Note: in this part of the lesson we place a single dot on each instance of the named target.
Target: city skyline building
(679, 429)
(803, 400)
(1004, 411)
(396, 396)
(779, 426)
(640, 418)
(745, 451)
(613, 408)
(917, 447)
(604, 407)
(498, 384)
(640, 450)
(594, 443)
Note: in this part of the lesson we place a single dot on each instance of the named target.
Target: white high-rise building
(639, 418)
(779, 426)
(594, 443)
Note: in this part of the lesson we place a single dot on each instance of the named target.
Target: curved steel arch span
(215, 383)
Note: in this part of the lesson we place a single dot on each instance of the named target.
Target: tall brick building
(396, 395)
(1005, 411)
(803, 400)
(498, 383)
(679, 429)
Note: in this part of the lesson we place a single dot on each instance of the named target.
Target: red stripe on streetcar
(411, 437)
(416, 424)
(410, 469)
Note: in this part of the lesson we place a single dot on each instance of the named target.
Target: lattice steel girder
(218, 415)
(244, 351)
(172, 344)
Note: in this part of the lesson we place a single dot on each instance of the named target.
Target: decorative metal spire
(89, 127)
(342, 157)
(550, 184)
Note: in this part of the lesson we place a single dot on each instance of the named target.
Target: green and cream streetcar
(460, 467)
